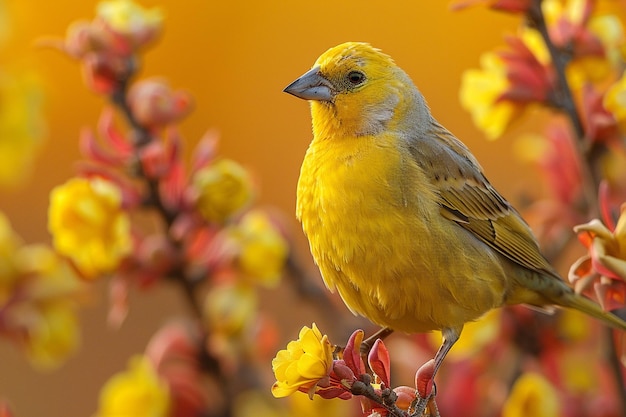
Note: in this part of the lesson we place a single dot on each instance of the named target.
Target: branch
(563, 99)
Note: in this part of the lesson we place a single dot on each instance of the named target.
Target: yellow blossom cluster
(89, 226)
(38, 299)
(224, 188)
(136, 392)
(303, 364)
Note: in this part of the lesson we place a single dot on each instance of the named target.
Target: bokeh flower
(106, 44)
(53, 328)
(154, 104)
(22, 126)
(555, 156)
(305, 363)
(262, 249)
(133, 23)
(593, 40)
(38, 301)
(89, 226)
(509, 80)
(603, 269)
(532, 395)
(480, 94)
(137, 392)
(222, 189)
(174, 351)
(230, 308)
(53, 335)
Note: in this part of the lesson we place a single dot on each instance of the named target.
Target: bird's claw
(425, 406)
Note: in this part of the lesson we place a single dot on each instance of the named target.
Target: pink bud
(155, 105)
(424, 378)
(352, 353)
(379, 361)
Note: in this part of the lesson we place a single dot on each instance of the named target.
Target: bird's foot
(424, 404)
(424, 407)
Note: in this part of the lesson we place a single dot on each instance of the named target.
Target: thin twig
(563, 99)
(388, 402)
(141, 138)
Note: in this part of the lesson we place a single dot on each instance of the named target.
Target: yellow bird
(398, 213)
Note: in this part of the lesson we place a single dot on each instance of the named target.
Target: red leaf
(90, 149)
(172, 187)
(111, 134)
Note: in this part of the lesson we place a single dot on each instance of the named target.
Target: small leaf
(111, 134)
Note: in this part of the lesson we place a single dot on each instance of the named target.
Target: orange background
(235, 58)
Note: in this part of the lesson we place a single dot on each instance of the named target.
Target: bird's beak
(311, 86)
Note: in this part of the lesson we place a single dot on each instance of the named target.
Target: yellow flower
(21, 125)
(615, 101)
(129, 18)
(480, 93)
(507, 82)
(54, 335)
(223, 188)
(136, 392)
(595, 39)
(305, 363)
(532, 395)
(263, 250)
(48, 309)
(88, 225)
(230, 308)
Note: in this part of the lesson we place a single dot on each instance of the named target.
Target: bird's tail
(585, 305)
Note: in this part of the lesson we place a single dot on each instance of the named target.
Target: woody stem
(563, 99)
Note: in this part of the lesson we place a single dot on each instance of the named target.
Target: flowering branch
(562, 98)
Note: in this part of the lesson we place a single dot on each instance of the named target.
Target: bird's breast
(372, 220)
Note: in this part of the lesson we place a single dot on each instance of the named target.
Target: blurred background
(235, 58)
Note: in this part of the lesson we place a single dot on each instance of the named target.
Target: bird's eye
(356, 77)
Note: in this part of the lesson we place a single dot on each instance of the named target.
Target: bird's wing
(467, 198)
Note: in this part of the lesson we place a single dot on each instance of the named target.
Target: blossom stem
(141, 138)
(365, 389)
(563, 99)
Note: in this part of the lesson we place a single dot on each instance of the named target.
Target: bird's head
(356, 90)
